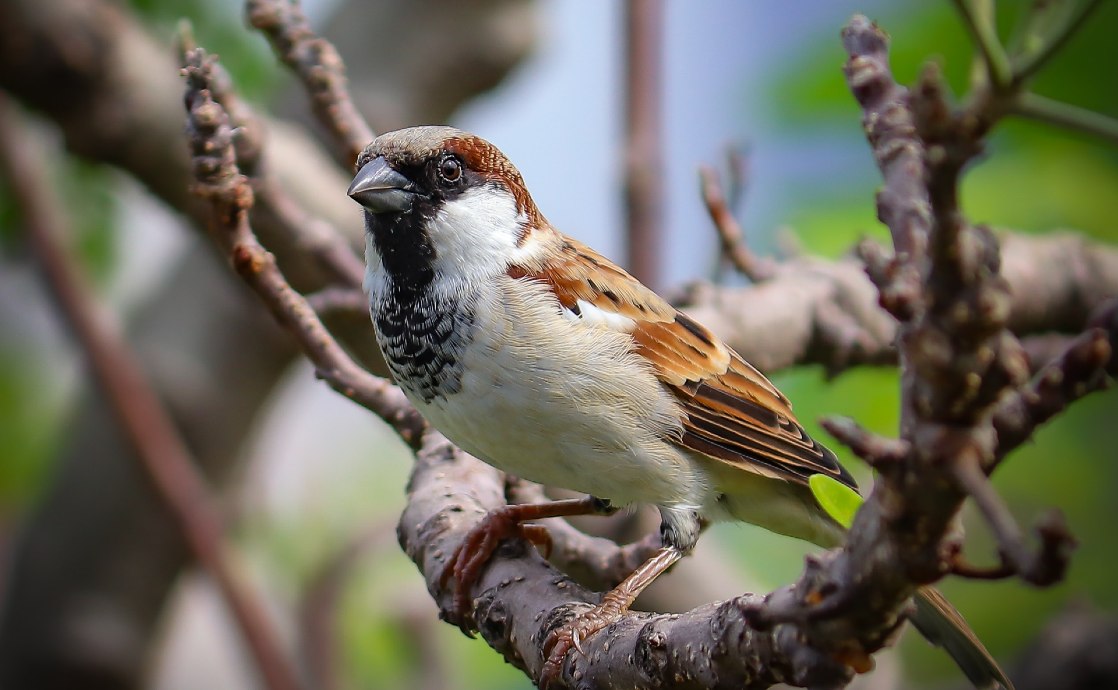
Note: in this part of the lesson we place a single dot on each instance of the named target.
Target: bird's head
(439, 200)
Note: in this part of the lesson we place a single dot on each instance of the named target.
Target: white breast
(566, 403)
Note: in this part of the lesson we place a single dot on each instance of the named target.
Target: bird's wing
(731, 411)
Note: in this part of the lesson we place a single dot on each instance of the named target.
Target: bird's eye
(450, 169)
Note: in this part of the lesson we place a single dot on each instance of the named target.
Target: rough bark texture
(827, 312)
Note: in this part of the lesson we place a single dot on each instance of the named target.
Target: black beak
(380, 189)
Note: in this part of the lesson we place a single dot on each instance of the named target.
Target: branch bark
(813, 311)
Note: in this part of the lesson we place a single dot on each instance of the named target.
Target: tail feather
(939, 622)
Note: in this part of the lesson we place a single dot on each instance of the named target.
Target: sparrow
(543, 358)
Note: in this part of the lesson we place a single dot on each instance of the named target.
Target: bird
(543, 358)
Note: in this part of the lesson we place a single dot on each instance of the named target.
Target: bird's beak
(380, 189)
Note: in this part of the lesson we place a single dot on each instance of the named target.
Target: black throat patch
(422, 326)
(422, 330)
(404, 246)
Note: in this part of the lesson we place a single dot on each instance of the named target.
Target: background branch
(162, 453)
(320, 68)
(643, 183)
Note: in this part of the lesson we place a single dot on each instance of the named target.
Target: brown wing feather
(732, 412)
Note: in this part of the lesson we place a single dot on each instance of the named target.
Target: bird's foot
(613, 606)
(571, 634)
(471, 556)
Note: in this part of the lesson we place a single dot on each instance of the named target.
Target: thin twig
(335, 300)
(1078, 371)
(643, 180)
(162, 452)
(248, 128)
(1047, 566)
(313, 235)
(961, 568)
(319, 239)
(1029, 63)
(730, 234)
(220, 182)
(1065, 115)
(737, 169)
(985, 35)
(320, 68)
(879, 452)
(902, 202)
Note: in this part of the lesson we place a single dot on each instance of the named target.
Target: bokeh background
(319, 482)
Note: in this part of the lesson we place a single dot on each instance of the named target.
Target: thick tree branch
(522, 599)
(812, 311)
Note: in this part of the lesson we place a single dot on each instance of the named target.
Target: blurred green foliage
(28, 440)
(32, 399)
(219, 26)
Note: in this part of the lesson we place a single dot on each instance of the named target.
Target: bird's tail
(942, 625)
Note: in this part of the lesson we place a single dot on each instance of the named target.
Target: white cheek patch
(594, 316)
(475, 235)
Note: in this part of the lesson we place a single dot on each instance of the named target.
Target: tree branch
(222, 184)
(1029, 62)
(522, 599)
(958, 359)
(643, 137)
(730, 234)
(321, 70)
(1070, 117)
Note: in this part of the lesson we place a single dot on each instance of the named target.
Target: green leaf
(838, 499)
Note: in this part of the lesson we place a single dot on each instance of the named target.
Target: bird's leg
(614, 603)
(468, 560)
(679, 531)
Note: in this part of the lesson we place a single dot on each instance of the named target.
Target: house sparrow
(541, 357)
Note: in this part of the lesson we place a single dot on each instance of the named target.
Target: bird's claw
(473, 553)
(569, 636)
(468, 560)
